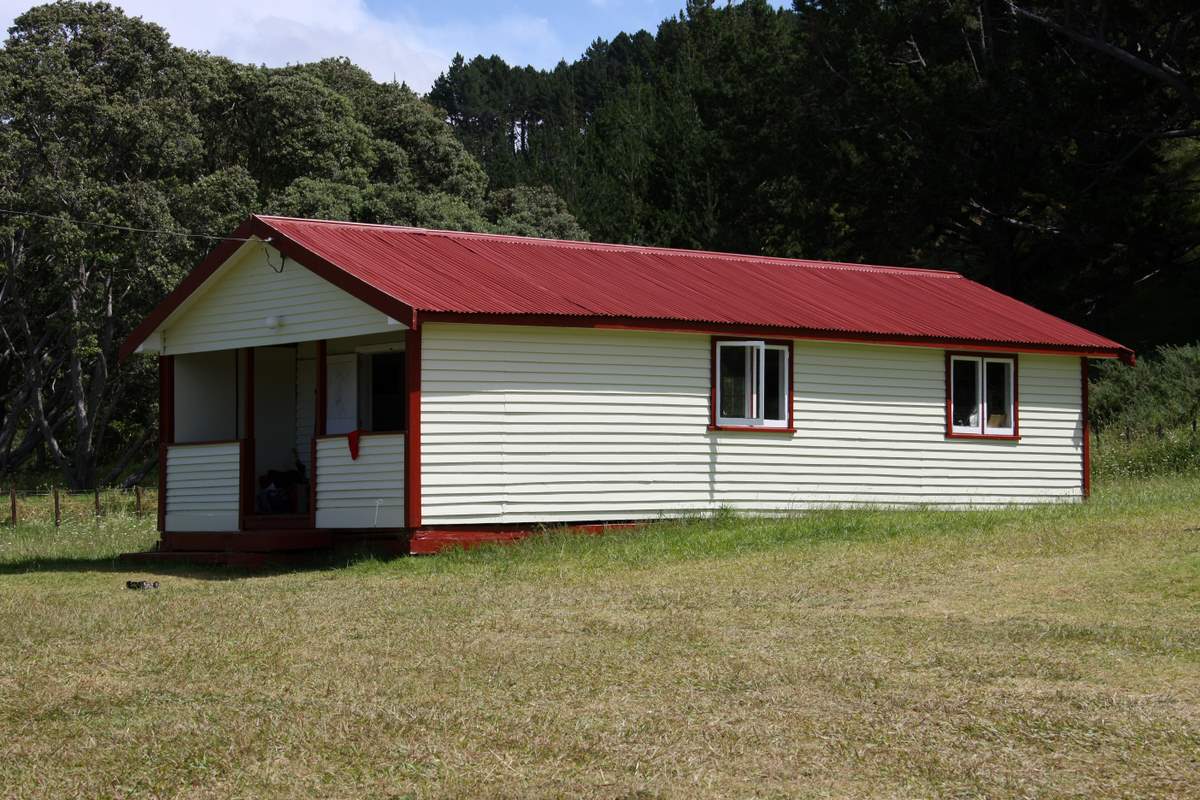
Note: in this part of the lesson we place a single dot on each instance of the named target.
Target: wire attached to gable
(266, 243)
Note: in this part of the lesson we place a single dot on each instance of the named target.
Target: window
(389, 401)
(752, 385)
(981, 396)
(383, 401)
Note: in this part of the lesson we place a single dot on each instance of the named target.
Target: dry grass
(1047, 653)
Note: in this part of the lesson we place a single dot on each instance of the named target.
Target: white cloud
(278, 32)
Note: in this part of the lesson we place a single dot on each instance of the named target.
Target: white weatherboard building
(326, 379)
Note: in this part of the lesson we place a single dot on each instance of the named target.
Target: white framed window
(981, 395)
(753, 384)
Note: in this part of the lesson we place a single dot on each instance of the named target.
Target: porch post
(247, 446)
(412, 435)
(322, 381)
(166, 430)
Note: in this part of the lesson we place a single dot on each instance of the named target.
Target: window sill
(1003, 437)
(750, 429)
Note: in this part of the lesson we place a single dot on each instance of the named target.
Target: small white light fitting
(274, 322)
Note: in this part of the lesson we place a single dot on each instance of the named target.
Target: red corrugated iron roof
(416, 274)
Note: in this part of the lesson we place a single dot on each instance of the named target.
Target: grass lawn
(1052, 652)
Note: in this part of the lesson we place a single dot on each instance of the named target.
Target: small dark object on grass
(141, 584)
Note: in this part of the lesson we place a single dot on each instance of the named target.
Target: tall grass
(1146, 418)
(81, 534)
(1174, 452)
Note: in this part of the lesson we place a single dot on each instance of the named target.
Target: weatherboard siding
(527, 424)
(202, 487)
(367, 492)
(231, 309)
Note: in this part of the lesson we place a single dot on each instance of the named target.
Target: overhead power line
(129, 228)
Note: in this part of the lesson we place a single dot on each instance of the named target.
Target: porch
(285, 447)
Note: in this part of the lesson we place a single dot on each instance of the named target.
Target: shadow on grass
(275, 564)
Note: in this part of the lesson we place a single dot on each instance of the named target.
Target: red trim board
(758, 332)
(430, 541)
(1086, 429)
(412, 438)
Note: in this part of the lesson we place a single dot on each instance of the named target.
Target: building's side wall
(233, 310)
(202, 487)
(527, 424)
(367, 492)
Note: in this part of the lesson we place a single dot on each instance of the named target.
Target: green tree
(533, 211)
(109, 136)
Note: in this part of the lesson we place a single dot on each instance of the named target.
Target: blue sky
(567, 27)
(412, 41)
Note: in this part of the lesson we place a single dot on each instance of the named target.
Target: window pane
(389, 401)
(735, 394)
(965, 389)
(776, 384)
(998, 394)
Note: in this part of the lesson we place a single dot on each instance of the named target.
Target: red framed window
(981, 396)
(752, 385)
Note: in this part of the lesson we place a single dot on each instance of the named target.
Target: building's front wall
(260, 298)
(204, 463)
(528, 424)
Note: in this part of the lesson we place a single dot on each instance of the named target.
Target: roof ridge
(644, 249)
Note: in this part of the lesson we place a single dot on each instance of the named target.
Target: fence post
(57, 509)
(12, 505)
(137, 500)
(97, 500)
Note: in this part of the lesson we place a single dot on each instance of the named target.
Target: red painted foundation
(257, 548)
(265, 541)
(429, 541)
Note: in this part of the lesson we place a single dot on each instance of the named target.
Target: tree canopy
(108, 133)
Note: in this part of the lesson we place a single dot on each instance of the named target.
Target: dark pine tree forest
(1050, 149)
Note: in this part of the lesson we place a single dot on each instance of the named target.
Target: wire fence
(62, 505)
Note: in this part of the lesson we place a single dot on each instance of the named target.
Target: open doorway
(280, 475)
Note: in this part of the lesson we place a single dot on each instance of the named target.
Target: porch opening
(257, 408)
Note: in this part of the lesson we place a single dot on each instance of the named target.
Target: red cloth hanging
(352, 439)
